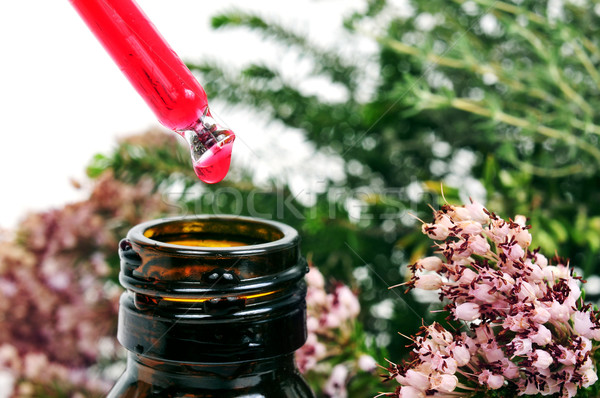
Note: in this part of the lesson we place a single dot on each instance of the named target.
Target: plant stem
(471, 107)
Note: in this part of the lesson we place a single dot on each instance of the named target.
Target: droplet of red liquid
(213, 165)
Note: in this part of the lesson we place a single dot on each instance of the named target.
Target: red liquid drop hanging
(162, 79)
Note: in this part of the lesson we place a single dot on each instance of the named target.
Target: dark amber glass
(214, 307)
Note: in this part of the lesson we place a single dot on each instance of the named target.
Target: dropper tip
(213, 165)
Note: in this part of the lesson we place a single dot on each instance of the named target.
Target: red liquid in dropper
(160, 77)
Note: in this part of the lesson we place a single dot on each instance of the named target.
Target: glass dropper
(162, 79)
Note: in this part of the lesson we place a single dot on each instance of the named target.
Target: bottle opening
(216, 232)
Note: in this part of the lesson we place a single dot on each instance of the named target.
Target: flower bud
(477, 213)
(414, 379)
(470, 227)
(435, 231)
(410, 392)
(431, 263)
(315, 278)
(582, 324)
(589, 377)
(366, 363)
(428, 282)
(479, 245)
(467, 311)
(493, 381)
(540, 315)
(514, 253)
(521, 346)
(461, 355)
(443, 382)
(521, 220)
(542, 359)
(541, 260)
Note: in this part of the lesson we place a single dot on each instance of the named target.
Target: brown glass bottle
(214, 307)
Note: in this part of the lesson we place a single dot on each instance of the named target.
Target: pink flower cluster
(516, 321)
(58, 309)
(330, 318)
(330, 323)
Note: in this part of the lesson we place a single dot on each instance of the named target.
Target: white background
(62, 99)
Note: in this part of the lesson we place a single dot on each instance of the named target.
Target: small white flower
(443, 382)
(521, 346)
(428, 282)
(366, 363)
(467, 311)
(542, 359)
(431, 263)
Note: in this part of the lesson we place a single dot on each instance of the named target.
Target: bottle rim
(142, 234)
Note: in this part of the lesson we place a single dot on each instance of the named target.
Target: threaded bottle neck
(212, 289)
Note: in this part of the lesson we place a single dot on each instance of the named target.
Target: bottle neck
(170, 375)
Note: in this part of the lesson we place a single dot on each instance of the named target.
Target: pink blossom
(347, 301)
(540, 315)
(515, 252)
(567, 357)
(521, 220)
(535, 272)
(498, 231)
(315, 279)
(583, 325)
(428, 281)
(477, 212)
(443, 363)
(542, 336)
(530, 389)
(520, 346)
(571, 390)
(509, 369)
(467, 311)
(459, 214)
(484, 293)
(467, 276)
(574, 293)
(518, 307)
(559, 312)
(493, 381)
(541, 260)
(336, 384)
(431, 263)
(492, 352)
(589, 377)
(541, 359)
(443, 382)
(460, 353)
(439, 335)
(366, 363)
(470, 227)
(516, 323)
(410, 392)
(479, 245)
(435, 231)
(523, 238)
(414, 379)
(552, 273)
